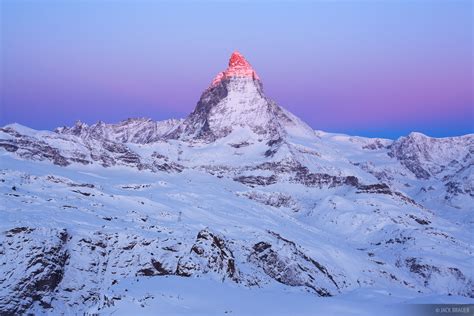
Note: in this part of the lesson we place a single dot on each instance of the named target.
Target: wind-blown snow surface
(231, 222)
(239, 209)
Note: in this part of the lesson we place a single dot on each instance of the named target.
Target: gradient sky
(370, 68)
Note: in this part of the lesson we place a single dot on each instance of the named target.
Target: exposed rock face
(209, 254)
(253, 181)
(285, 263)
(275, 199)
(40, 257)
(430, 275)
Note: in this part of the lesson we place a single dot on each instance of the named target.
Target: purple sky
(371, 68)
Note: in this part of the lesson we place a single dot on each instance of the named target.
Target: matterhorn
(235, 100)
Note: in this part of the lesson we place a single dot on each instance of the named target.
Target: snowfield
(239, 209)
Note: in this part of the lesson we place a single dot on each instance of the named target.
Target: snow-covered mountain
(235, 100)
(140, 131)
(240, 199)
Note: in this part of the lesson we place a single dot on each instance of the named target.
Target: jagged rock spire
(236, 100)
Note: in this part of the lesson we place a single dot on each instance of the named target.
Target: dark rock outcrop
(287, 264)
(40, 258)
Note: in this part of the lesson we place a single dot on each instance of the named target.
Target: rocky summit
(235, 101)
(241, 200)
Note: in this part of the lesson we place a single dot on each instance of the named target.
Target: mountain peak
(238, 67)
(238, 60)
(236, 100)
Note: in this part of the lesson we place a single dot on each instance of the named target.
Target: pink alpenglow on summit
(238, 67)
